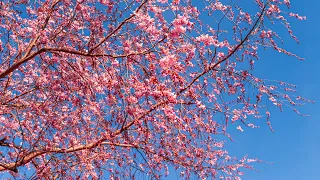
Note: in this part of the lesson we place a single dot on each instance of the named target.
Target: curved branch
(213, 66)
(117, 28)
(28, 157)
(27, 56)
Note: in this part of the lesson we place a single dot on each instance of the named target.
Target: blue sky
(294, 147)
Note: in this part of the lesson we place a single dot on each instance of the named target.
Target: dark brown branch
(27, 56)
(213, 66)
(30, 156)
(117, 28)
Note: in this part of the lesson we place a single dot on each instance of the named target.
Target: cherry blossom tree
(120, 89)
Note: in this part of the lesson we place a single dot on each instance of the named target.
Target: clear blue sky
(294, 147)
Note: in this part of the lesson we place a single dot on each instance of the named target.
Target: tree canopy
(121, 89)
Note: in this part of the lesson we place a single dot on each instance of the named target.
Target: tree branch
(213, 66)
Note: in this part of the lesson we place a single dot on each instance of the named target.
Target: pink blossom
(298, 16)
(240, 128)
(220, 54)
(168, 61)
